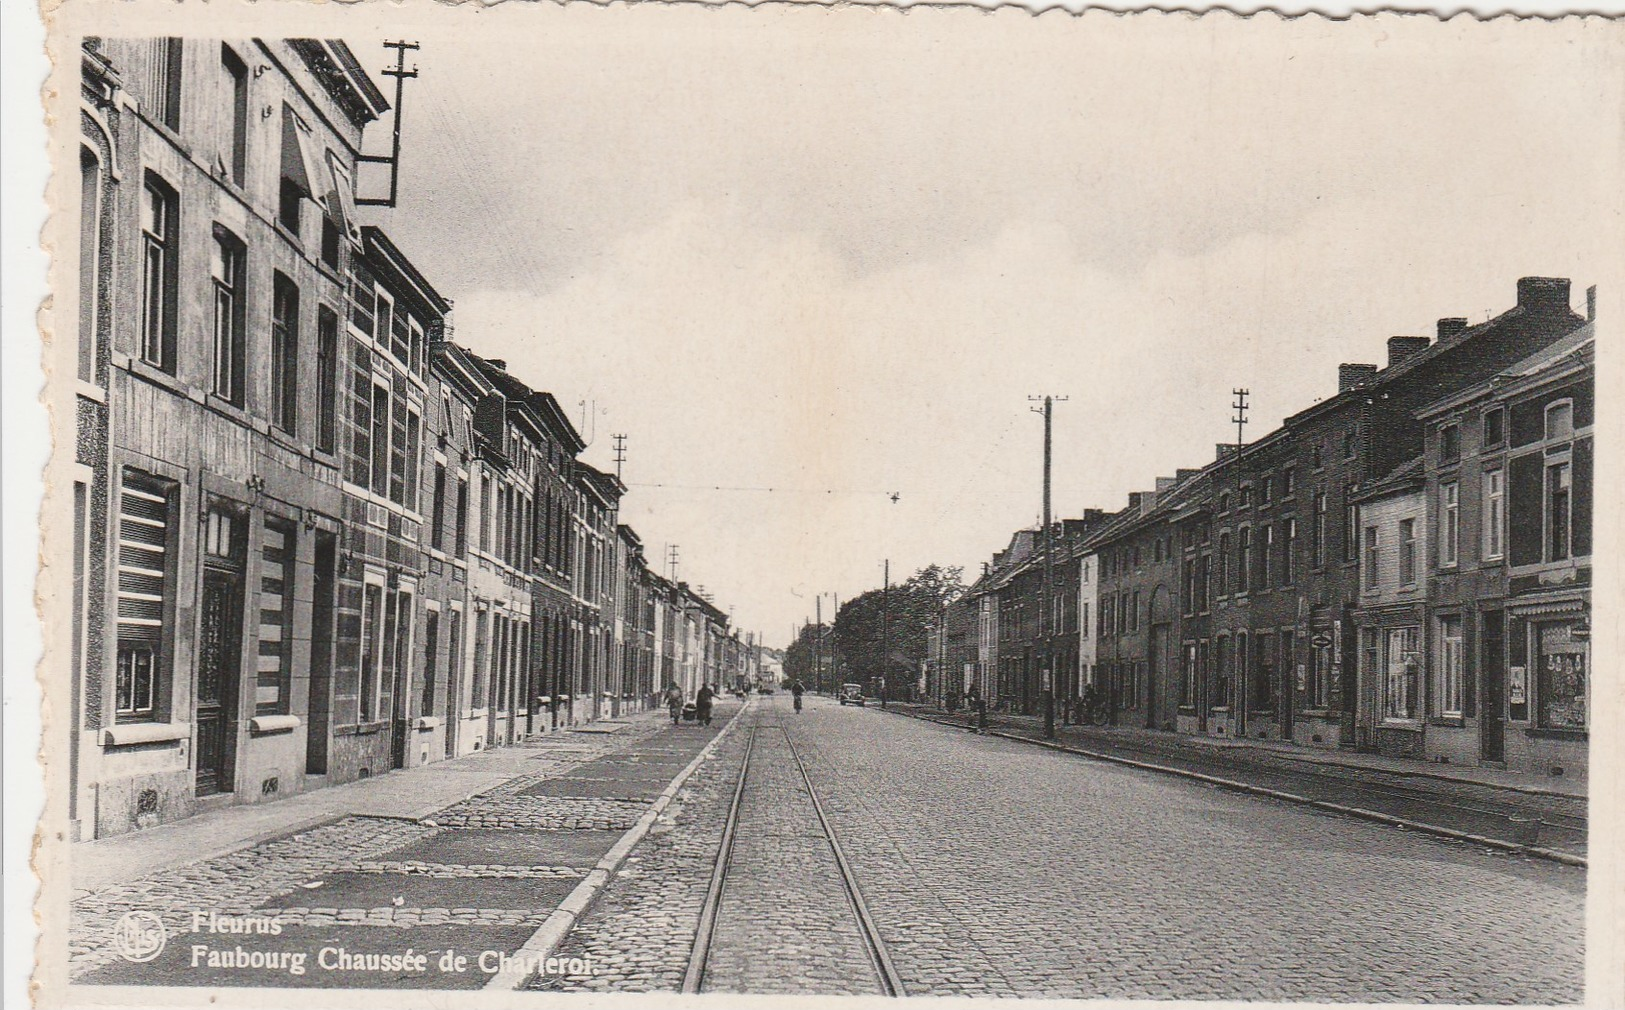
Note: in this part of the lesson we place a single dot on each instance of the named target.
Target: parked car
(851, 694)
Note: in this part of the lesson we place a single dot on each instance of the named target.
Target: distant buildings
(314, 538)
(1402, 568)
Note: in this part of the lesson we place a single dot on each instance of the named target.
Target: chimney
(1093, 515)
(1186, 473)
(1134, 500)
(1451, 326)
(1400, 348)
(1591, 304)
(1164, 483)
(1543, 294)
(497, 363)
(1223, 450)
(1353, 376)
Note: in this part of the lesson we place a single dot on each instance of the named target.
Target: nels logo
(139, 936)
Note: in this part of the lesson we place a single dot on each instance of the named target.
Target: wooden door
(219, 666)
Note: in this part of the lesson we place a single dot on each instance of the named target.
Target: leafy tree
(899, 618)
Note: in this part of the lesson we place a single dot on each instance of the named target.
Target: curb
(526, 960)
(1565, 858)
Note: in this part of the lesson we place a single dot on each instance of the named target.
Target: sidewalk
(1491, 777)
(407, 794)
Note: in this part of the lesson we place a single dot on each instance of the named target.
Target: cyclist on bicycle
(795, 692)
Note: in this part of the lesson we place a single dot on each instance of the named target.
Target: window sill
(1405, 725)
(1318, 713)
(428, 722)
(90, 391)
(1544, 733)
(131, 734)
(265, 725)
(1453, 721)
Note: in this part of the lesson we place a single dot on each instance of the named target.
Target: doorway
(219, 668)
(1492, 673)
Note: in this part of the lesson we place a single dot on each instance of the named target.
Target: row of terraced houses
(1402, 568)
(316, 537)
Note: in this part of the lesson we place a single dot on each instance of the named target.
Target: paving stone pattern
(485, 871)
(785, 923)
(996, 868)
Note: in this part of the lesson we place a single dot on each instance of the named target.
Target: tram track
(711, 938)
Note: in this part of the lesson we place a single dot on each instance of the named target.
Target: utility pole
(400, 73)
(620, 453)
(671, 559)
(885, 632)
(835, 645)
(1046, 626)
(1238, 701)
(818, 642)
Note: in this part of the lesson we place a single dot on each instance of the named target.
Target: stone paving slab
(482, 846)
(416, 890)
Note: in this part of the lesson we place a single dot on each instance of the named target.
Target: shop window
(1403, 674)
(1561, 666)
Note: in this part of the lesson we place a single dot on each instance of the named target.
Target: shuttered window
(276, 619)
(143, 594)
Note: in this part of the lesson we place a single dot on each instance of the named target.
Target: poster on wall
(1517, 686)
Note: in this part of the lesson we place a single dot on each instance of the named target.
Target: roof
(385, 253)
(342, 75)
(454, 363)
(1579, 344)
(1402, 479)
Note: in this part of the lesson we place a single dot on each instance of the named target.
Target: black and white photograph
(563, 501)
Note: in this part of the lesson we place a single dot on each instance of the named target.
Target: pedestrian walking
(702, 704)
(674, 703)
(796, 689)
(973, 700)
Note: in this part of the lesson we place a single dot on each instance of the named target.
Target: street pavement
(447, 874)
(995, 868)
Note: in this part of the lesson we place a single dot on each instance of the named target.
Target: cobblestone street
(481, 874)
(995, 868)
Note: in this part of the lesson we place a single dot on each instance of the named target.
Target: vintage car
(851, 694)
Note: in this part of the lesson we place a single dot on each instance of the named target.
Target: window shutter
(1581, 534)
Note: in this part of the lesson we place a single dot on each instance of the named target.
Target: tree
(899, 617)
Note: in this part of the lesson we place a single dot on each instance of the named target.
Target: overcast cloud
(832, 254)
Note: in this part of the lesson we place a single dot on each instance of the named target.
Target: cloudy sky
(831, 254)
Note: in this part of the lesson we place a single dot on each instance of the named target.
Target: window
(227, 272)
(1449, 524)
(1402, 674)
(158, 265)
(1083, 619)
(1289, 481)
(383, 318)
(1266, 554)
(144, 589)
(485, 515)
(1407, 552)
(284, 353)
(1224, 563)
(1317, 540)
(372, 641)
(461, 526)
(327, 350)
(437, 519)
(1449, 684)
(431, 661)
(380, 439)
(1560, 668)
(1245, 498)
(1559, 510)
(1372, 556)
(90, 259)
(1224, 502)
(1450, 444)
(236, 160)
(1351, 444)
(276, 619)
(1560, 420)
(1187, 685)
(289, 204)
(1266, 489)
(1244, 559)
(1351, 524)
(1495, 428)
(1289, 553)
(1494, 516)
(1134, 612)
(162, 99)
(330, 242)
(1315, 460)
(1322, 688)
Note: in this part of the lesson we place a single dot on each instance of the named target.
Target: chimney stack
(1400, 348)
(1186, 473)
(1223, 450)
(1591, 304)
(1543, 294)
(1451, 326)
(1353, 376)
(498, 363)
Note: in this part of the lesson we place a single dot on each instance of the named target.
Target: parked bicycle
(1095, 709)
